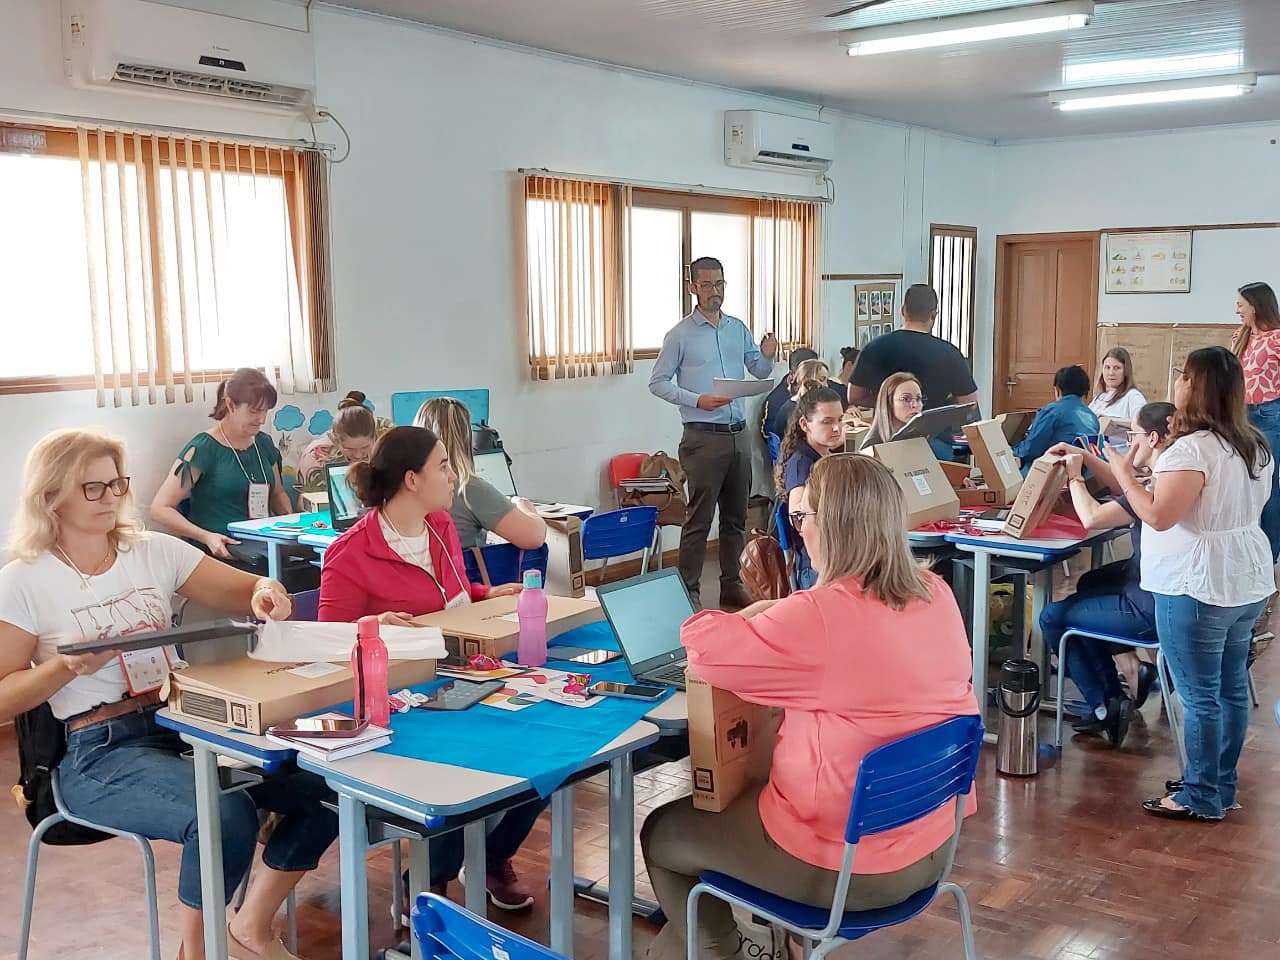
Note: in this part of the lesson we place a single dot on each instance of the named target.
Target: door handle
(1011, 383)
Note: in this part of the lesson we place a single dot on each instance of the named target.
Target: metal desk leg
(562, 871)
(213, 895)
(353, 873)
(473, 839)
(622, 855)
(419, 880)
(981, 631)
(1041, 596)
(274, 549)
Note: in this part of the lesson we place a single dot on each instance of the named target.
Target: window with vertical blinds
(952, 271)
(153, 264)
(607, 266)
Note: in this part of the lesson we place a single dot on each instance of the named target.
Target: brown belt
(118, 708)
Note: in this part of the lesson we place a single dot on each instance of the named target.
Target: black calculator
(460, 694)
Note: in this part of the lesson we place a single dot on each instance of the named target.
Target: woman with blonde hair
(478, 506)
(83, 569)
(899, 400)
(799, 654)
(1117, 395)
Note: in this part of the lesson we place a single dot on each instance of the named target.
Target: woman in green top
(229, 472)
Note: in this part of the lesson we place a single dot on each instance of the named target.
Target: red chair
(626, 466)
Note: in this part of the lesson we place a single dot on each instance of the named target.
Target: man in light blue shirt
(715, 450)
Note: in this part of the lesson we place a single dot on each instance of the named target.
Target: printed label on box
(704, 779)
(921, 480)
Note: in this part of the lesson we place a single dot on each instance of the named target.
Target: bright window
(952, 266)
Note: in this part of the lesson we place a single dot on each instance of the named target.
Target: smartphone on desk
(322, 726)
(627, 691)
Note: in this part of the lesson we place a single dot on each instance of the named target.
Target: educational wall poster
(1149, 262)
(875, 311)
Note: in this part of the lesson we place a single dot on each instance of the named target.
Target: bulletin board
(875, 311)
(1156, 348)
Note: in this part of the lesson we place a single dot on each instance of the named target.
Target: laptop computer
(937, 422)
(345, 507)
(645, 614)
(492, 466)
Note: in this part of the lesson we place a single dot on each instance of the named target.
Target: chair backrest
(505, 563)
(445, 929)
(617, 532)
(306, 605)
(904, 780)
(782, 524)
(774, 443)
(625, 466)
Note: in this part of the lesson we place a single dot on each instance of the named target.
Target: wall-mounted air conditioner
(772, 141)
(162, 49)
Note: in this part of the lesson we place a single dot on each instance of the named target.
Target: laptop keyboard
(672, 674)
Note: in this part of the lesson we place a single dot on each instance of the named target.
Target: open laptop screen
(492, 466)
(646, 614)
(345, 507)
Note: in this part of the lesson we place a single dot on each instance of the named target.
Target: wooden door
(1046, 314)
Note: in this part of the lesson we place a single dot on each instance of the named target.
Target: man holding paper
(715, 450)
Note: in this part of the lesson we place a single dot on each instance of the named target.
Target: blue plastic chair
(620, 532)
(1162, 671)
(505, 563)
(782, 530)
(1277, 712)
(446, 930)
(897, 784)
(306, 605)
(774, 443)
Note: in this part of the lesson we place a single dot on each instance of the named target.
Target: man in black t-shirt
(943, 372)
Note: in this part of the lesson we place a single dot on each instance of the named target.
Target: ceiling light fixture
(1185, 65)
(1164, 91)
(969, 28)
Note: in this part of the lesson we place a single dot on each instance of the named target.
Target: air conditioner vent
(186, 81)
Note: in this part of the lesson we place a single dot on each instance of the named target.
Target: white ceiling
(992, 91)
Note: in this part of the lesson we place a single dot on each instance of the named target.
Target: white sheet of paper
(311, 671)
(740, 388)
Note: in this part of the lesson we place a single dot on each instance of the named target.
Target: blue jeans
(1101, 606)
(501, 843)
(1266, 417)
(129, 773)
(1207, 648)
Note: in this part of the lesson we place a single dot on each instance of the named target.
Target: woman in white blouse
(1208, 563)
(1116, 395)
(84, 570)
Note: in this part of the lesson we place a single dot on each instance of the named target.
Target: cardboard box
(1015, 424)
(251, 695)
(565, 574)
(928, 492)
(315, 502)
(1041, 490)
(730, 743)
(1114, 427)
(853, 439)
(994, 458)
(491, 626)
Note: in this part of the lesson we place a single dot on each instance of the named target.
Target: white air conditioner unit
(161, 49)
(772, 141)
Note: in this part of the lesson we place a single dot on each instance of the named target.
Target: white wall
(424, 259)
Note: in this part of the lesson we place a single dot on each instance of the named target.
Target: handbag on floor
(765, 571)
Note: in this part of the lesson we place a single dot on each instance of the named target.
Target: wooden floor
(1063, 866)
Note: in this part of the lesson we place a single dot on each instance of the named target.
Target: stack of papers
(328, 749)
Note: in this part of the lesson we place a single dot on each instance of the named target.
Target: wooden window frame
(62, 143)
(944, 230)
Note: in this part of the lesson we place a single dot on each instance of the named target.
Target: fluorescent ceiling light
(1179, 66)
(969, 28)
(1166, 91)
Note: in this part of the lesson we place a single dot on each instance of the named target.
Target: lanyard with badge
(144, 670)
(259, 492)
(423, 561)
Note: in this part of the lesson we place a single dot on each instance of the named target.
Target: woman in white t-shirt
(1116, 395)
(1208, 563)
(84, 570)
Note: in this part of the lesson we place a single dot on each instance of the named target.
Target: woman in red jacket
(403, 559)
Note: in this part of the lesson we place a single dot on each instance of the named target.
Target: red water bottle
(369, 664)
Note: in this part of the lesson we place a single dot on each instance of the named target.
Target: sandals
(1157, 808)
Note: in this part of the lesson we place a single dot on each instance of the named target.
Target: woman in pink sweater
(876, 651)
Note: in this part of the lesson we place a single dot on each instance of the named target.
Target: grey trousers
(680, 842)
(718, 469)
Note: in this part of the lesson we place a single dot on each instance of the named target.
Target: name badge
(259, 501)
(461, 600)
(145, 670)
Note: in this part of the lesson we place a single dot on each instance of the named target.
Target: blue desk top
(236, 744)
(290, 527)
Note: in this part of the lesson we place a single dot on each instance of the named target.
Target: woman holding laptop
(900, 399)
(478, 506)
(83, 569)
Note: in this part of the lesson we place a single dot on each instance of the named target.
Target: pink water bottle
(369, 664)
(531, 608)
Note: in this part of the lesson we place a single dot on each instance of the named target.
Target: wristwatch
(1077, 480)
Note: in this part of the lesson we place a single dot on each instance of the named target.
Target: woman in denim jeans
(1207, 561)
(84, 570)
(1258, 312)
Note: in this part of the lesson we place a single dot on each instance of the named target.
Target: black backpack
(42, 741)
